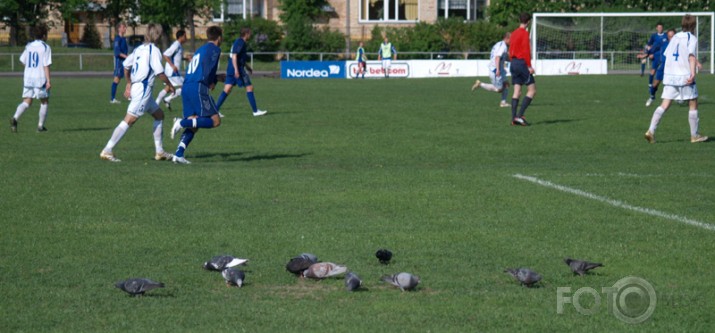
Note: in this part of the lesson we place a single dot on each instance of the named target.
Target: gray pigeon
(138, 286)
(324, 270)
(309, 256)
(219, 263)
(525, 276)
(580, 267)
(233, 277)
(352, 282)
(404, 281)
(298, 264)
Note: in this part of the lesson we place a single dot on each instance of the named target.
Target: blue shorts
(197, 100)
(118, 67)
(660, 72)
(655, 63)
(243, 81)
(520, 73)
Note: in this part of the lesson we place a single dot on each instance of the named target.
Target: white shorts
(176, 81)
(684, 93)
(497, 82)
(386, 63)
(141, 101)
(32, 92)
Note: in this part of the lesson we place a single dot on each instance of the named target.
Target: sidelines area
(616, 203)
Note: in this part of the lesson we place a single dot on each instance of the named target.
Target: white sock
(657, 114)
(488, 87)
(173, 96)
(693, 120)
(43, 115)
(158, 131)
(160, 97)
(116, 136)
(20, 110)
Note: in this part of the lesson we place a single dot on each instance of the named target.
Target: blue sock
(650, 80)
(252, 101)
(221, 99)
(642, 69)
(504, 94)
(201, 122)
(184, 142)
(652, 91)
(114, 90)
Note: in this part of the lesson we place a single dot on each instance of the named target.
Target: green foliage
(266, 35)
(91, 36)
(298, 17)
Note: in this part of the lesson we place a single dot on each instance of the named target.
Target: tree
(177, 13)
(298, 17)
(20, 15)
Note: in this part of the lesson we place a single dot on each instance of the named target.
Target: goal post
(617, 38)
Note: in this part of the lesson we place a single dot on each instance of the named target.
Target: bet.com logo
(631, 299)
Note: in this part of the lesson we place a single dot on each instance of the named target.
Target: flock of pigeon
(307, 265)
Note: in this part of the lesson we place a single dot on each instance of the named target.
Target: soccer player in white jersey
(37, 59)
(173, 56)
(497, 74)
(140, 68)
(679, 79)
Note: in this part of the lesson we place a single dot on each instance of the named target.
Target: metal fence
(618, 61)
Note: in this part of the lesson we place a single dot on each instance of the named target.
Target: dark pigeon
(298, 264)
(384, 255)
(580, 267)
(525, 276)
(138, 286)
(309, 256)
(404, 281)
(233, 277)
(352, 282)
(219, 263)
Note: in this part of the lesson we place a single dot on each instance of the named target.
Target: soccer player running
(173, 56)
(237, 73)
(386, 53)
(661, 67)
(679, 79)
(199, 108)
(522, 73)
(140, 68)
(37, 58)
(120, 53)
(496, 70)
(361, 59)
(654, 45)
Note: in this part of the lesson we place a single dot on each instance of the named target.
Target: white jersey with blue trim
(145, 64)
(36, 57)
(676, 55)
(499, 49)
(175, 52)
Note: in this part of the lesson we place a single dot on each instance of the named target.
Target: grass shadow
(556, 121)
(87, 129)
(233, 157)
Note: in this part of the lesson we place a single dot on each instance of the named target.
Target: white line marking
(616, 203)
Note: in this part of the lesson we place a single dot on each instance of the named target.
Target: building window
(242, 9)
(389, 10)
(468, 10)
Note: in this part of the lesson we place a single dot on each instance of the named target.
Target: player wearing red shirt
(521, 70)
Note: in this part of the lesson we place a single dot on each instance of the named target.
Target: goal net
(616, 37)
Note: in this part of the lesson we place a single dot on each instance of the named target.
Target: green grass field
(341, 168)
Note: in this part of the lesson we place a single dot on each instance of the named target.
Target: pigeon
(580, 267)
(298, 264)
(309, 256)
(525, 276)
(233, 277)
(138, 286)
(404, 281)
(352, 282)
(219, 263)
(323, 270)
(384, 255)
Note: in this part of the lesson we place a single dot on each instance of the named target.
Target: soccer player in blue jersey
(660, 70)
(141, 68)
(653, 46)
(361, 59)
(199, 108)
(120, 53)
(237, 72)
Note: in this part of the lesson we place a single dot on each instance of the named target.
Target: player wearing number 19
(679, 79)
(140, 68)
(199, 108)
(37, 59)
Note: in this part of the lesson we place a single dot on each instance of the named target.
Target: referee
(521, 70)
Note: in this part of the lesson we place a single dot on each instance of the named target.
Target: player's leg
(245, 81)
(690, 93)
(160, 96)
(669, 93)
(121, 129)
(530, 93)
(158, 133)
(226, 91)
(21, 108)
(504, 94)
(44, 102)
(118, 75)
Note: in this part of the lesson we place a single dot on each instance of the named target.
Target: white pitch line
(616, 203)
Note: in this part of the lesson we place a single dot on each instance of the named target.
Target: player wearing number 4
(199, 108)
(37, 59)
(174, 55)
(679, 79)
(140, 68)
(237, 73)
(497, 74)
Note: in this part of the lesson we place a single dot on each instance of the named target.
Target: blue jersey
(120, 47)
(239, 50)
(656, 43)
(202, 68)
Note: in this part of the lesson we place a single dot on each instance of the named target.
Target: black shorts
(520, 73)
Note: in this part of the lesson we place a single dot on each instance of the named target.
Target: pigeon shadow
(157, 295)
(234, 157)
(86, 129)
(556, 121)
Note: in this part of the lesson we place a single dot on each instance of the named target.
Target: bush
(91, 36)
(266, 36)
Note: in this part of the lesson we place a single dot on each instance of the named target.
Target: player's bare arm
(234, 60)
(128, 89)
(249, 69)
(48, 85)
(168, 61)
